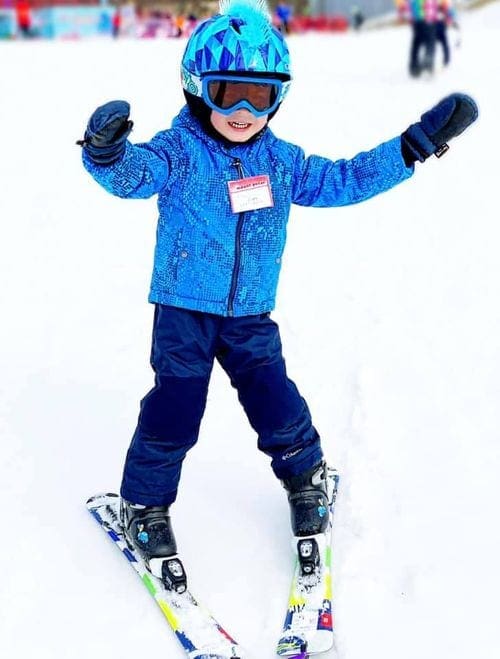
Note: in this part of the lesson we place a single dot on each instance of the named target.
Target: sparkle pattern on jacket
(208, 258)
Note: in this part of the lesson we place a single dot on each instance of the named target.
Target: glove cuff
(106, 154)
(416, 143)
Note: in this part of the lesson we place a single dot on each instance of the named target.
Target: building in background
(74, 19)
(369, 8)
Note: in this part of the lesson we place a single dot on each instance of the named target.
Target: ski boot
(149, 531)
(309, 511)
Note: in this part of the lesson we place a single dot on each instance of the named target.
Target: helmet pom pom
(249, 18)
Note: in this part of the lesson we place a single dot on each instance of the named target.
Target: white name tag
(250, 194)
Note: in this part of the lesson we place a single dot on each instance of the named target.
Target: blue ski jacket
(208, 258)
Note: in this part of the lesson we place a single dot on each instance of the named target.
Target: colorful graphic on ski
(308, 626)
(303, 654)
(199, 634)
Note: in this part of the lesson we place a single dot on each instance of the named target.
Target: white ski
(196, 629)
(308, 627)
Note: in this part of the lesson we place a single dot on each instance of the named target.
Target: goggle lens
(226, 94)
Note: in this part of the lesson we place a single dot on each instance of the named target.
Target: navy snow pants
(424, 38)
(185, 344)
(442, 38)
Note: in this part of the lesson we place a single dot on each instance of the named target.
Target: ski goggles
(226, 94)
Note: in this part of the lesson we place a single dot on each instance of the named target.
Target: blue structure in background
(74, 22)
(7, 23)
(65, 22)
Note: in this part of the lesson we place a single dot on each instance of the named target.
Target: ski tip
(99, 497)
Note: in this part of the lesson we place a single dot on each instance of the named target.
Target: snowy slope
(390, 316)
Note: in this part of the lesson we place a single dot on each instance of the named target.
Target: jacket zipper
(237, 247)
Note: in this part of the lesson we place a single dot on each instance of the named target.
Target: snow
(390, 320)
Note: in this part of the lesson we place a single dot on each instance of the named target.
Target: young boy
(225, 185)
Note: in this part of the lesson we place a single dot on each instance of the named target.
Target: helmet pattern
(239, 39)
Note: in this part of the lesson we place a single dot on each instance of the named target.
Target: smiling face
(240, 126)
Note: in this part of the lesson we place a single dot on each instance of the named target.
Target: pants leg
(416, 42)
(442, 38)
(182, 357)
(430, 46)
(249, 350)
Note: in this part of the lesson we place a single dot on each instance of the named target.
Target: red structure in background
(319, 24)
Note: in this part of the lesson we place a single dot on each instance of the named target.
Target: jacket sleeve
(324, 183)
(141, 172)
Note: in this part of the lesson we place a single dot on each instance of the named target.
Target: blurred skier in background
(116, 23)
(446, 18)
(423, 15)
(24, 19)
(284, 13)
(357, 17)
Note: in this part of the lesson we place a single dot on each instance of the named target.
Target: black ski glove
(107, 131)
(436, 127)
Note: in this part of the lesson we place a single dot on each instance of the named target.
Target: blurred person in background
(446, 18)
(117, 22)
(180, 22)
(357, 17)
(191, 23)
(423, 15)
(24, 19)
(284, 13)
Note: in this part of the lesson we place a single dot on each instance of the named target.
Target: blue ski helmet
(239, 40)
